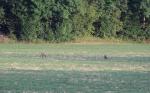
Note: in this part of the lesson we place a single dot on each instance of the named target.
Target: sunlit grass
(74, 68)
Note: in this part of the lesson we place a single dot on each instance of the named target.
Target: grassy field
(75, 68)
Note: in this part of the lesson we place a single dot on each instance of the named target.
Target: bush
(1, 14)
(64, 20)
(134, 32)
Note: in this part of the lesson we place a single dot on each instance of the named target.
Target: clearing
(74, 68)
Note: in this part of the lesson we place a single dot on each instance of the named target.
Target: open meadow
(74, 68)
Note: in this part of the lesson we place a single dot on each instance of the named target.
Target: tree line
(64, 20)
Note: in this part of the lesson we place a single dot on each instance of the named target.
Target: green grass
(75, 68)
(74, 82)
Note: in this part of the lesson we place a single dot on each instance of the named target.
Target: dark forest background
(65, 20)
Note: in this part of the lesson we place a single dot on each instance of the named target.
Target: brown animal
(43, 55)
(1, 38)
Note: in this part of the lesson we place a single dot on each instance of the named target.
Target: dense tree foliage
(63, 20)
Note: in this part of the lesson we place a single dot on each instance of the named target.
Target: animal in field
(105, 57)
(2, 38)
(43, 55)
